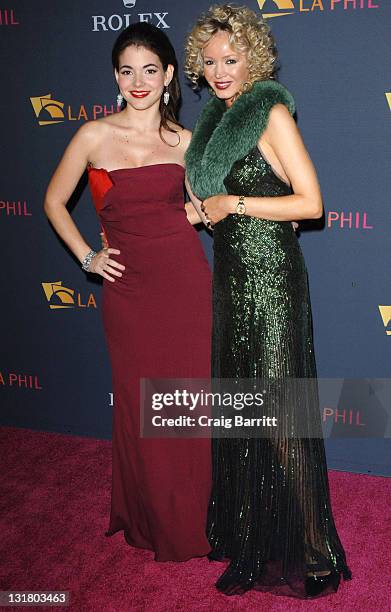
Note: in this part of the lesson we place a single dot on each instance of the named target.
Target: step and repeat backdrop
(334, 57)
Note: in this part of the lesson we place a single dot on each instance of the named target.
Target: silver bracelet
(85, 264)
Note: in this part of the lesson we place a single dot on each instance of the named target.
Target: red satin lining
(100, 183)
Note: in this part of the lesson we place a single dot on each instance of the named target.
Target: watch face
(240, 209)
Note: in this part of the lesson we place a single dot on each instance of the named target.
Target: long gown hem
(158, 557)
(279, 586)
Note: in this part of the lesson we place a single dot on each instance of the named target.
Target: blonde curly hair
(247, 32)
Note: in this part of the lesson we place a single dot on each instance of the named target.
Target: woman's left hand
(216, 208)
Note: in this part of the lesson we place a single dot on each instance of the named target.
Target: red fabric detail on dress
(100, 182)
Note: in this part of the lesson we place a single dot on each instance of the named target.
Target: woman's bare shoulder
(280, 118)
(93, 130)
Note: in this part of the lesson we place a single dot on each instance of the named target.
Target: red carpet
(54, 512)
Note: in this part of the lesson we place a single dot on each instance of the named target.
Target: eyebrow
(131, 67)
(225, 56)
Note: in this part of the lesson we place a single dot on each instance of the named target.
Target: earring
(166, 96)
(120, 99)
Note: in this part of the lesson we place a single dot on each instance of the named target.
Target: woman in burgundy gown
(156, 291)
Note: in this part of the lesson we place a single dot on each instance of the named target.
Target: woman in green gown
(248, 170)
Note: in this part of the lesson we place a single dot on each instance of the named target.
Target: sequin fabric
(270, 515)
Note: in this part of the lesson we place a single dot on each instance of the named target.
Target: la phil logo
(49, 111)
(342, 417)
(60, 297)
(388, 97)
(348, 220)
(118, 21)
(289, 7)
(20, 381)
(14, 208)
(7, 17)
(385, 313)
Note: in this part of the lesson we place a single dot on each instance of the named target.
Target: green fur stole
(224, 135)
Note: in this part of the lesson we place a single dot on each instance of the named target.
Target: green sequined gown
(269, 515)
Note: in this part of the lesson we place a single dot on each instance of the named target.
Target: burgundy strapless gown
(157, 321)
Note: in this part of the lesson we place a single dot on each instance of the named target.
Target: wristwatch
(241, 207)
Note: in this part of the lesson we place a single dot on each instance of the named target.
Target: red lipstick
(222, 84)
(139, 94)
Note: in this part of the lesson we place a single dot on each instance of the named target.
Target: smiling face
(141, 77)
(225, 69)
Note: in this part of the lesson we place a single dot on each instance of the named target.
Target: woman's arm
(193, 208)
(192, 214)
(284, 138)
(195, 205)
(60, 189)
(63, 184)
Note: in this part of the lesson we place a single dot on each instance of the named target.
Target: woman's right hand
(103, 264)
